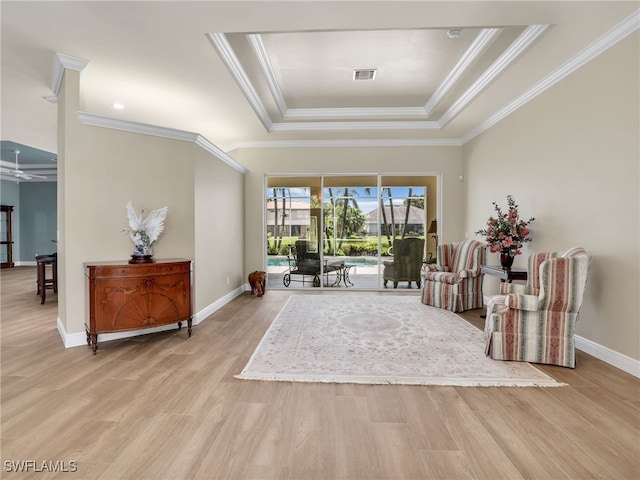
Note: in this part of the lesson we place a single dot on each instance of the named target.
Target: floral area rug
(379, 339)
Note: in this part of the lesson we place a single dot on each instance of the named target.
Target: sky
(366, 202)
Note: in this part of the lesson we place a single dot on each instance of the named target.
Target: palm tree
(384, 220)
(284, 211)
(278, 229)
(349, 197)
(327, 233)
(406, 212)
(393, 219)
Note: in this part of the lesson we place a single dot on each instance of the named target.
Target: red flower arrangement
(506, 233)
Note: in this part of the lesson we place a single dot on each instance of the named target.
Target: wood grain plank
(164, 406)
(450, 465)
(481, 450)
(314, 444)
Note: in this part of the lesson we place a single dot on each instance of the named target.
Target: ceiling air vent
(364, 74)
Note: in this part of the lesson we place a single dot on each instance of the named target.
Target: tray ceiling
(255, 74)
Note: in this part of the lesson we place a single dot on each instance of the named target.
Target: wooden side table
(505, 275)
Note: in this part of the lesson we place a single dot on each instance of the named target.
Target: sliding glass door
(338, 231)
(348, 244)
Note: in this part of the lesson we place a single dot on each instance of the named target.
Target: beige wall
(219, 230)
(446, 161)
(101, 170)
(570, 157)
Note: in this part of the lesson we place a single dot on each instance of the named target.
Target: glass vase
(506, 260)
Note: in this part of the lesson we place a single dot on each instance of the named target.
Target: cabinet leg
(179, 326)
(189, 326)
(94, 343)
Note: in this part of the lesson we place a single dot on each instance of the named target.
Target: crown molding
(617, 33)
(135, 127)
(355, 112)
(170, 133)
(482, 41)
(220, 154)
(38, 168)
(10, 178)
(7, 164)
(256, 43)
(479, 45)
(342, 126)
(453, 142)
(228, 56)
(526, 38)
(62, 62)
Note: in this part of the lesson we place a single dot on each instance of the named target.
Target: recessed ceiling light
(364, 74)
(453, 33)
(118, 106)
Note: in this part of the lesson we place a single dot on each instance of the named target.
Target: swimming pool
(281, 261)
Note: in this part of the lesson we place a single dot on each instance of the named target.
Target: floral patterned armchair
(536, 322)
(455, 281)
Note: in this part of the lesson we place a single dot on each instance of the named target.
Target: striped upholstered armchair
(455, 281)
(536, 322)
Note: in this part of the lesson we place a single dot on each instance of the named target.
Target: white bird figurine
(145, 231)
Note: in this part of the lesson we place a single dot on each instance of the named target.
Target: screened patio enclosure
(337, 231)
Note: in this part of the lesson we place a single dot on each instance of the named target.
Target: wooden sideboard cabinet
(123, 296)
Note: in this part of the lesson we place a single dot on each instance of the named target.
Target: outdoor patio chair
(408, 254)
(303, 263)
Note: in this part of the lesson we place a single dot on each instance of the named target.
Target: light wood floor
(162, 406)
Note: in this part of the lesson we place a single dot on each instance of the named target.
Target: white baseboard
(80, 338)
(616, 359)
(217, 305)
(70, 339)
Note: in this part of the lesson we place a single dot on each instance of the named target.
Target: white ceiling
(245, 74)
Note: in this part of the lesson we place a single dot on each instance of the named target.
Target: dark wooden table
(505, 275)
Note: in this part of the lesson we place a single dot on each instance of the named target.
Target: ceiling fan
(19, 173)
